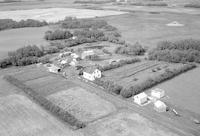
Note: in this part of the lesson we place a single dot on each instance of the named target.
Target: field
(13, 39)
(138, 72)
(55, 14)
(20, 117)
(149, 28)
(126, 123)
(183, 90)
(74, 100)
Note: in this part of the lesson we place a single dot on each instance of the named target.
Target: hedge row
(119, 64)
(109, 86)
(148, 83)
(45, 103)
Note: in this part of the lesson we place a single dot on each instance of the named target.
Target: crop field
(134, 73)
(126, 123)
(49, 84)
(184, 91)
(55, 14)
(148, 28)
(20, 117)
(31, 74)
(13, 39)
(84, 105)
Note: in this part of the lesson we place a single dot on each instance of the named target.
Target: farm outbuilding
(54, 69)
(91, 73)
(87, 53)
(157, 93)
(140, 98)
(160, 106)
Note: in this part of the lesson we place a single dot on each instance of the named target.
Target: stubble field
(19, 117)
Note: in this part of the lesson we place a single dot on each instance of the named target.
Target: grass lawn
(184, 91)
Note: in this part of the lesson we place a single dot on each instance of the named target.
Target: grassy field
(56, 14)
(148, 28)
(74, 100)
(184, 91)
(126, 123)
(13, 39)
(20, 117)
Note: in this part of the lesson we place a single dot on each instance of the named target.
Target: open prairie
(184, 91)
(56, 14)
(150, 28)
(13, 39)
(126, 123)
(20, 117)
(83, 105)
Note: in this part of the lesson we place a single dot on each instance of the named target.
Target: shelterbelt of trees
(181, 51)
(9, 23)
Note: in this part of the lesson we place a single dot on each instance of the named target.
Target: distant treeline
(192, 5)
(180, 51)
(128, 49)
(93, 1)
(45, 103)
(9, 23)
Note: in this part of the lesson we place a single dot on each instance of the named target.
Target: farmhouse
(160, 106)
(140, 98)
(90, 73)
(54, 69)
(157, 93)
(87, 53)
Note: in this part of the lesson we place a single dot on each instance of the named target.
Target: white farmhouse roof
(175, 23)
(141, 95)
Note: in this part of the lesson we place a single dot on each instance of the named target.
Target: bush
(109, 86)
(180, 51)
(57, 35)
(45, 59)
(5, 63)
(91, 34)
(128, 49)
(93, 57)
(126, 93)
(9, 23)
(45, 103)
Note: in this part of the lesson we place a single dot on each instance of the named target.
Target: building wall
(88, 76)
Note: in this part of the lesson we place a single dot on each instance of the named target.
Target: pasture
(13, 39)
(84, 105)
(184, 91)
(126, 123)
(19, 116)
(149, 28)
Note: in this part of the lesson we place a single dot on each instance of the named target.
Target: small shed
(91, 73)
(160, 106)
(140, 98)
(157, 93)
(87, 53)
(54, 69)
